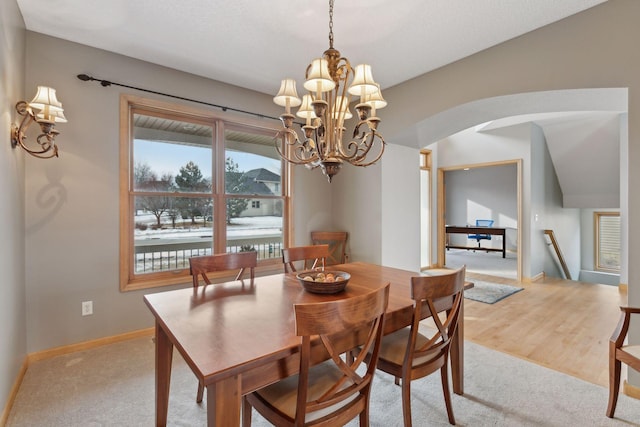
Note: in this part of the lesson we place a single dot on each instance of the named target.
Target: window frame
(129, 104)
(597, 217)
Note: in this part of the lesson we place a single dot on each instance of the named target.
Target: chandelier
(331, 82)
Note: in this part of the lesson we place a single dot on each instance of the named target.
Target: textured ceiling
(254, 44)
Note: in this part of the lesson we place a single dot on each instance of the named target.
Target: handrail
(554, 242)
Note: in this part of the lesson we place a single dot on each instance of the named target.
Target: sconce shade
(319, 79)
(363, 83)
(46, 97)
(46, 110)
(287, 96)
(51, 117)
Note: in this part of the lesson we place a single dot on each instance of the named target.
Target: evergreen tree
(190, 180)
(235, 183)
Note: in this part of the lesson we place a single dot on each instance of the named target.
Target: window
(190, 183)
(607, 241)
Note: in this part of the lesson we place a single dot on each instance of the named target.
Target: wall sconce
(46, 110)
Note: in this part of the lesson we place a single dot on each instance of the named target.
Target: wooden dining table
(239, 336)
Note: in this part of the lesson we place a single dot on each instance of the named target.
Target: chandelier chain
(331, 24)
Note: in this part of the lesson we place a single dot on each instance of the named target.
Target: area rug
(488, 292)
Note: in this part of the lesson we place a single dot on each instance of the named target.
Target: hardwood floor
(563, 325)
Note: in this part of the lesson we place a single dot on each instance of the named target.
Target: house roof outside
(256, 179)
(262, 175)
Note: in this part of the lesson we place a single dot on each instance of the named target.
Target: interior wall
(549, 213)
(592, 49)
(72, 203)
(483, 193)
(12, 303)
(401, 227)
(536, 240)
(624, 201)
(357, 209)
(469, 147)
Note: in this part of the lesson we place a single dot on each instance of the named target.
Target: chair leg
(447, 395)
(406, 402)
(200, 394)
(614, 385)
(364, 415)
(246, 412)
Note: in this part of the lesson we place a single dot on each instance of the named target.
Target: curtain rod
(107, 83)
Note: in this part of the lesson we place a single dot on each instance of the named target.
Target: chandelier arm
(323, 141)
(297, 148)
(343, 71)
(359, 145)
(358, 160)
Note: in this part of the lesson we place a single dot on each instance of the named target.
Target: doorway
(490, 191)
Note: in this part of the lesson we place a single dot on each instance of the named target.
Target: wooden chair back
(201, 265)
(425, 291)
(335, 391)
(337, 241)
(310, 256)
(424, 353)
(620, 352)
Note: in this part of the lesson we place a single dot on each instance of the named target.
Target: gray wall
(72, 208)
(483, 193)
(494, 190)
(468, 148)
(549, 213)
(12, 302)
(596, 48)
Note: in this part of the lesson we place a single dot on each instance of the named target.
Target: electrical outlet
(87, 308)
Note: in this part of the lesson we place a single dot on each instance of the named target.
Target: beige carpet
(490, 263)
(114, 386)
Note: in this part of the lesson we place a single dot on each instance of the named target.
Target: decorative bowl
(320, 282)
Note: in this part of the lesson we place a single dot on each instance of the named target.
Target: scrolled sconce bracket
(46, 140)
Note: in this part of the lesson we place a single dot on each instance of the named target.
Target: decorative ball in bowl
(324, 282)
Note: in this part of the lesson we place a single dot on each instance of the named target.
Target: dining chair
(332, 392)
(409, 354)
(201, 265)
(309, 255)
(620, 353)
(337, 241)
